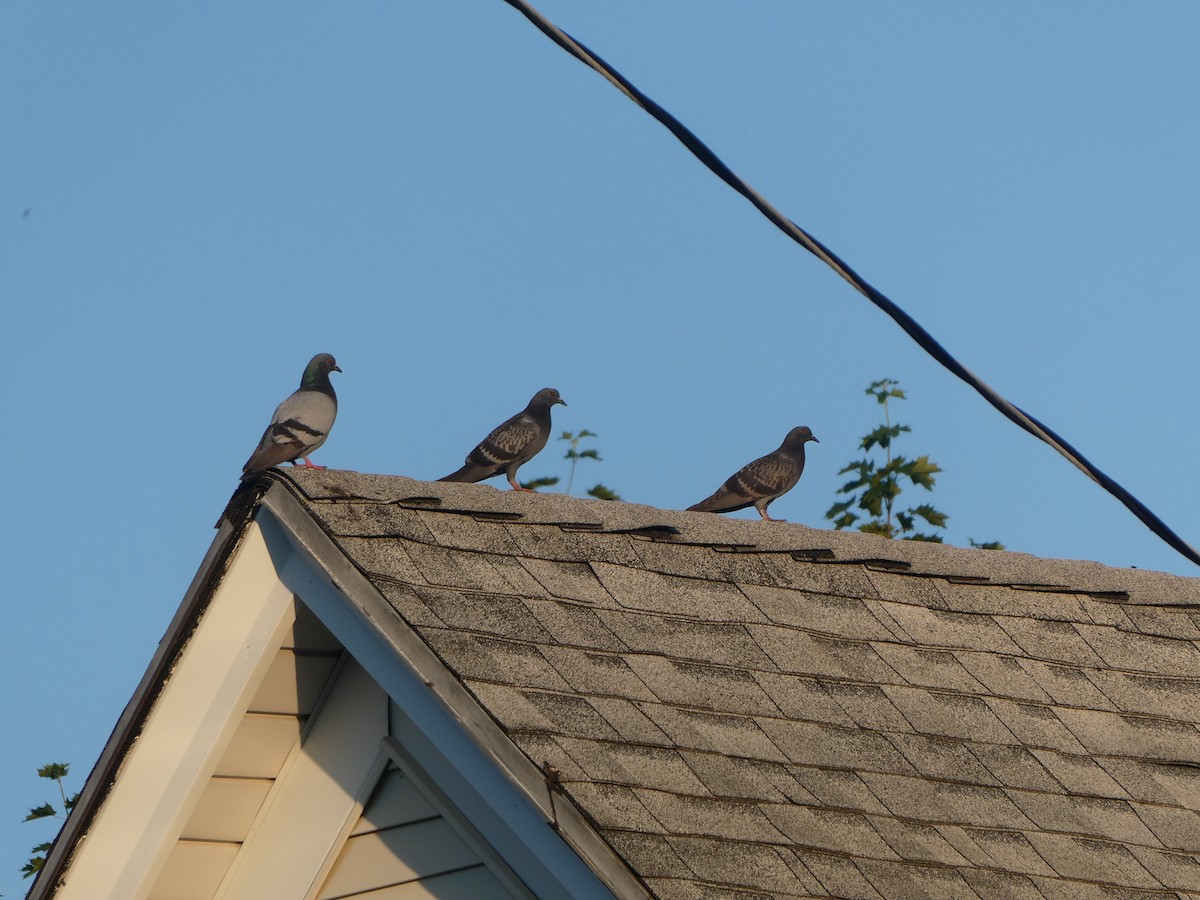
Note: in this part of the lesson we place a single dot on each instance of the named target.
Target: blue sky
(195, 199)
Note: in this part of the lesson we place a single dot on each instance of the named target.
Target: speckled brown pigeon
(760, 482)
(512, 444)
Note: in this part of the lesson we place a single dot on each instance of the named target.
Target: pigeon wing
(764, 479)
(300, 425)
(509, 444)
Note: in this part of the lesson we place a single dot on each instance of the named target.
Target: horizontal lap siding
(246, 773)
(402, 849)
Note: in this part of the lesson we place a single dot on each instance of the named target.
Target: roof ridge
(1142, 587)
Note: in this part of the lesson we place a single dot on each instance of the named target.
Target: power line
(910, 325)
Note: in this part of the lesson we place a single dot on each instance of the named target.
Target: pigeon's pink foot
(308, 465)
(523, 490)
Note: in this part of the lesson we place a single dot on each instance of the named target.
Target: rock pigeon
(758, 483)
(512, 444)
(301, 422)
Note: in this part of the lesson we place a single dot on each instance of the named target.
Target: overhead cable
(913, 328)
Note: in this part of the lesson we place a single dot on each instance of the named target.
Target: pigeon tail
(269, 457)
(721, 502)
(468, 474)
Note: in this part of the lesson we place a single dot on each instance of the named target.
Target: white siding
(196, 710)
(396, 801)
(476, 883)
(265, 737)
(259, 747)
(402, 848)
(293, 683)
(405, 844)
(194, 870)
(227, 808)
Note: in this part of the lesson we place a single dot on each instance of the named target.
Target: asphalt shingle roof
(749, 709)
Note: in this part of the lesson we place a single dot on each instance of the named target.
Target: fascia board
(457, 743)
(184, 734)
(104, 772)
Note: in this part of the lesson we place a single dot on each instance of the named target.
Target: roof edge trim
(231, 529)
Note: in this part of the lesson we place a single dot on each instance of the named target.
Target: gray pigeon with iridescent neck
(760, 482)
(512, 444)
(301, 422)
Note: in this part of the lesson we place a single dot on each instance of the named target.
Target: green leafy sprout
(55, 772)
(574, 455)
(873, 491)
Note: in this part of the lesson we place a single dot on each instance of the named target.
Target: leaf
(858, 465)
(590, 454)
(921, 471)
(881, 389)
(986, 545)
(600, 492)
(876, 527)
(40, 812)
(54, 770)
(33, 866)
(837, 509)
(889, 488)
(883, 436)
(535, 483)
(934, 517)
(851, 486)
(586, 433)
(845, 521)
(872, 503)
(930, 538)
(71, 801)
(566, 436)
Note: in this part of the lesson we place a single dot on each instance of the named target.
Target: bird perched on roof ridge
(511, 444)
(301, 422)
(758, 483)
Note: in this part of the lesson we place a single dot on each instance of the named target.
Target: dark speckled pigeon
(301, 422)
(512, 444)
(760, 482)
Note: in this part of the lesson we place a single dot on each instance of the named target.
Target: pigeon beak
(815, 441)
(337, 368)
(561, 400)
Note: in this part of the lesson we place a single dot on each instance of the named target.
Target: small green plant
(55, 772)
(574, 455)
(545, 481)
(875, 486)
(986, 545)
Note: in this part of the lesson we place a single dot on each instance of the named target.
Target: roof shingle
(747, 709)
